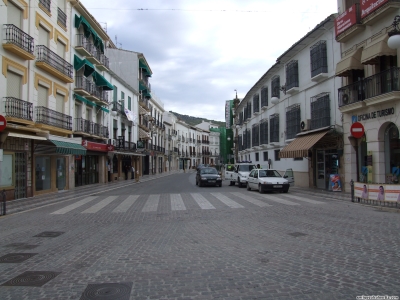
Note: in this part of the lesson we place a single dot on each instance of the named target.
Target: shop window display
(392, 154)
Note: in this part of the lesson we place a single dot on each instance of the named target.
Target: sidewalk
(24, 204)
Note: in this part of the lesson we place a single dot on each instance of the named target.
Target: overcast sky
(200, 51)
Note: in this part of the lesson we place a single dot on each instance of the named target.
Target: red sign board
(97, 146)
(368, 6)
(346, 20)
(357, 130)
(3, 123)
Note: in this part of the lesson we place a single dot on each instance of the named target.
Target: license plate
(212, 181)
(277, 186)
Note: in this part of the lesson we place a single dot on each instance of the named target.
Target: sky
(201, 51)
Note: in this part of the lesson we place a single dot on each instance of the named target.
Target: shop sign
(345, 20)
(95, 146)
(376, 114)
(368, 6)
(3, 123)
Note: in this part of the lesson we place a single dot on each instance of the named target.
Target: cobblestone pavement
(166, 238)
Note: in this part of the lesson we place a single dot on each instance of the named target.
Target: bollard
(352, 190)
(3, 205)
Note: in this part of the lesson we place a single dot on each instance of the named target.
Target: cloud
(201, 51)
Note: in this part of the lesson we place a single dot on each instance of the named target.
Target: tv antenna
(116, 42)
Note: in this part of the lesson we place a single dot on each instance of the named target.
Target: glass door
(61, 174)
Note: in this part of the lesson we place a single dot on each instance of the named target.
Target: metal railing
(82, 82)
(82, 125)
(61, 17)
(44, 54)
(18, 108)
(14, 35)
(372, 86)
(54, 118)
(104, 60)
(83, 41)
(46, 4)
(100, 130)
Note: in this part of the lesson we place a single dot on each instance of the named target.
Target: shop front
(324, 150)
(54, 159)
(92, 167)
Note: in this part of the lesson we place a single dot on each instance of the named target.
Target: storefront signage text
(376, 114)
(368, 6)
(345, 20)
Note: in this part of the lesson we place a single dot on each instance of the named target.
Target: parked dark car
(208, 176)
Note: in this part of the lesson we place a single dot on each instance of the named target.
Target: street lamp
(394, 35)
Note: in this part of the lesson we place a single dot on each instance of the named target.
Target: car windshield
(208, 171)
(246, 168)
(269, 173)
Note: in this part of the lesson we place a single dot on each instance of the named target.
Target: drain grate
(49, 234)
(297, 234)
(16, 257)
(107, 291)
(32, 278)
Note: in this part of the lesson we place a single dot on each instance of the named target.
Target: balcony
(98, 95)
(18, 42)
(18, 111)
(83, 45)
(89, 128)
(61, 18)
(100, 131)
(143, 102)
(54, 64)
(376, 89)
(53, 118)
(104, 63)
(83, 86)
(45, 5)
(118, 107)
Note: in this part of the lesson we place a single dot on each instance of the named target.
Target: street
(170, 239)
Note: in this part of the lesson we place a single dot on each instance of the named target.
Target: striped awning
(143, 134)
(349, 63)
(69, 148)
(300, 146)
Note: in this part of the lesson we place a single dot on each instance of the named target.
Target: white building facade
(290, 117)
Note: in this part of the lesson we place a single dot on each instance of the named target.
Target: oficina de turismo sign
(376, 114)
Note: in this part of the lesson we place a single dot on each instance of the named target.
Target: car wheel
(231, 183)
(200, 184)
(220, 185)
(248, 187)
(196, 182)
(260, 189)
(285, 191)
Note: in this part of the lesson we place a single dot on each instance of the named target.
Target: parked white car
(238, 173)
(267, 180)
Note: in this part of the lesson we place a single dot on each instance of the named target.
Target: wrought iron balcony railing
(100, 130)
(14, 35)
(104, 60)
(375, 85)
(54, 118)
(83, 41)
(44, 54)
(82, 125)
(61, 17)
(46, 4)
(82, 82)
(17, 108)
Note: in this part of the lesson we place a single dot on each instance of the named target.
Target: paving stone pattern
(334, 250)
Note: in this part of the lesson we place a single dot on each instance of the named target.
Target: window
(274, 129)
(292, 74)
(264, 132)
(255, 135)
(256, 103)
(44, 36)
(60, 103)
(115, 95)
(129, 103)
(320, 111)
(60, 49)
(248, 116)
(240, 142)
(275, 86)
(277, 158)
(43, 96)
(292, 121)
(14, 83)
(265, 156)
(318, 58)
(248, 139)
(257, 156)
(264, 97)
(45, 5)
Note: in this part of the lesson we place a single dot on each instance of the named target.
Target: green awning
(142, 87)
(147, 95)
(144, 66)
(88, 30)
(69, 148)
(83, 63)
(101, 81)
(84, 100)
(103, 108)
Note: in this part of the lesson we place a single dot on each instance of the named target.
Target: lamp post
(394, 35)
(236, 102)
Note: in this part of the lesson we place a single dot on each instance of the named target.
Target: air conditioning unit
(305, 125)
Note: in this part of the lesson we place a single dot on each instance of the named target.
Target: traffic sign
(357, 130)
(3, 123)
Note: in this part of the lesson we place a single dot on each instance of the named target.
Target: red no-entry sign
(3, 123)
(357, 130)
